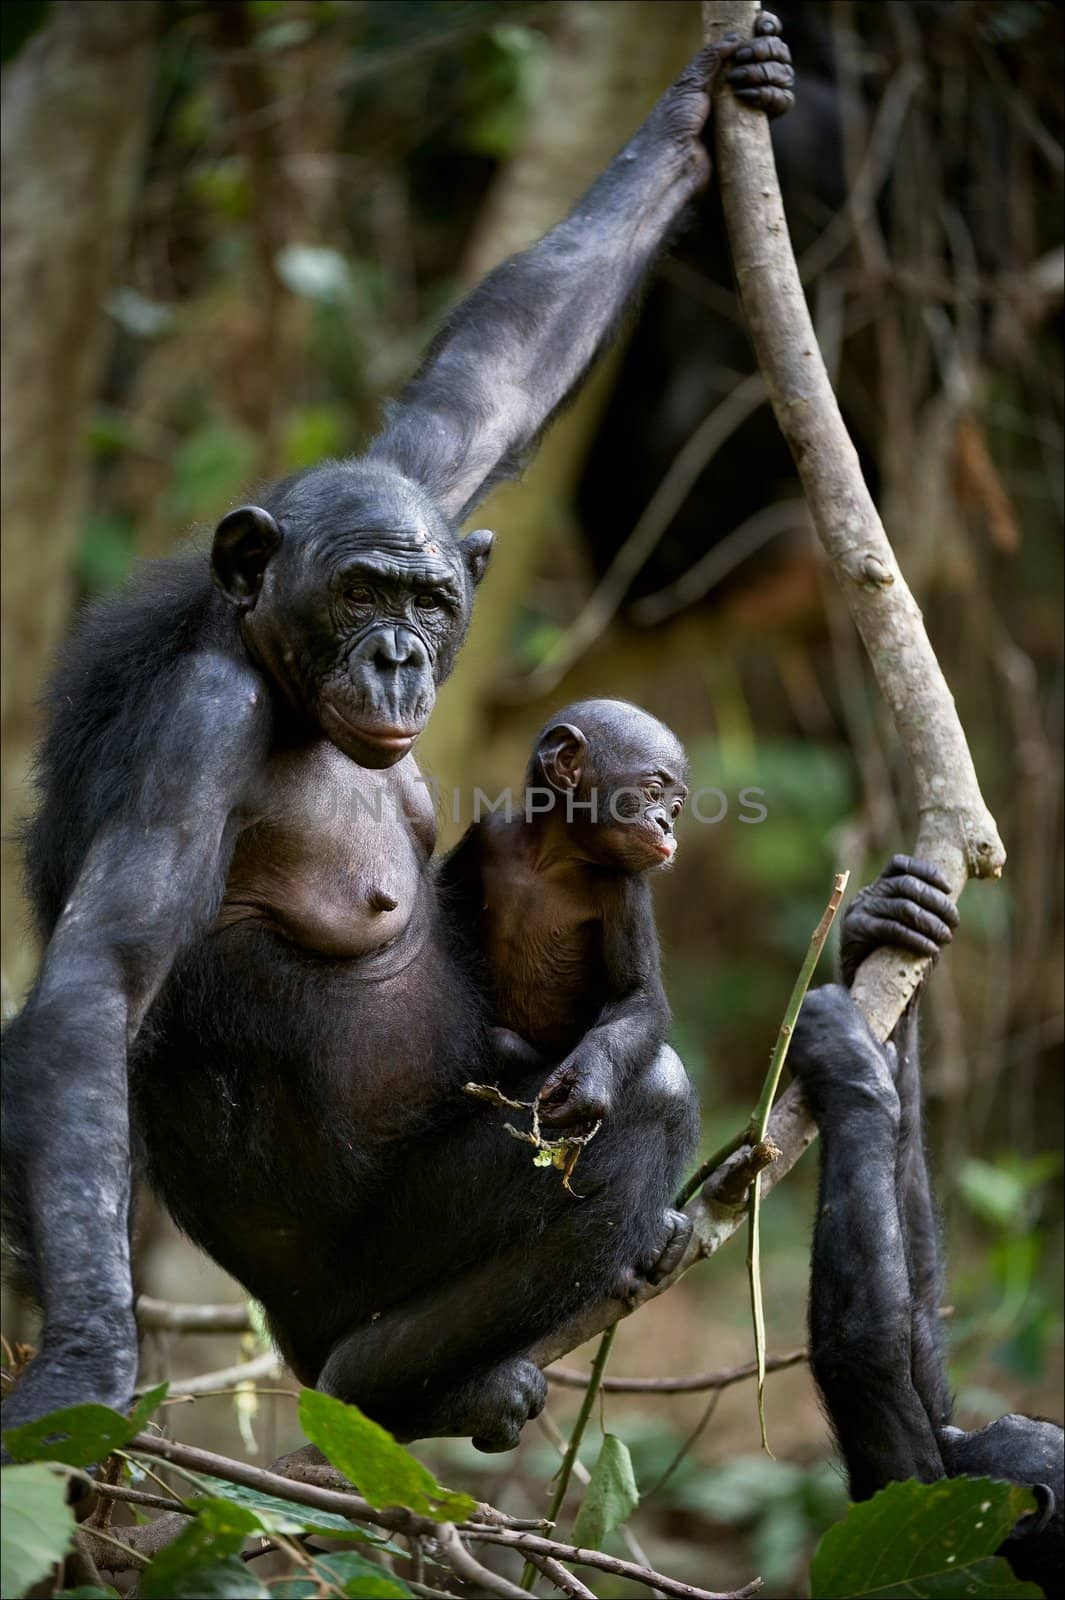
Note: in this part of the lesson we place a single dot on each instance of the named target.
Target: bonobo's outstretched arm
(519, 345)
(150, 882)
(630, 1027)
(861, 1309)
(874, 1296)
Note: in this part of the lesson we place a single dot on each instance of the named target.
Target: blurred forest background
(230, 230)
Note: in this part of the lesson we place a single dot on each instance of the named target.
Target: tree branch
(956, 830)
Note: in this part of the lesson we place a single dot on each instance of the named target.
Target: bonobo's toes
(665, 1256)
(512, 1395)
(680, 1227)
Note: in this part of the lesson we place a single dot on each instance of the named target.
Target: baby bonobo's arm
(631, 1024)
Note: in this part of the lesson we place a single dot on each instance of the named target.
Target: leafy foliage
(928, 1541)
(367, 1455)
(37, 1525)
(80, 1435)
(612, 1495)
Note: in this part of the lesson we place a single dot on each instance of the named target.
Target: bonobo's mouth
(371, 744)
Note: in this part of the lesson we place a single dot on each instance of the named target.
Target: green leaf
(217, 1532)
(356, 1576)
(230, 1579)
(367, 1455)
(924, 1541)
(285, 1516)
(36, 1526)
(79, 1435)
(611, 1497)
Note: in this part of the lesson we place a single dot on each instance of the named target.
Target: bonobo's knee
(666, 1093)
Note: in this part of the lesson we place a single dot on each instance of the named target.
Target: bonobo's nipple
(377, 900)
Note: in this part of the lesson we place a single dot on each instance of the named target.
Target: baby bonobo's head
(618, 780)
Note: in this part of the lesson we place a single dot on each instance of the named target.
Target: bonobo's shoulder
(461, 865)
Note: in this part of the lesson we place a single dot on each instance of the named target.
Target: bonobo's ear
(476, 548)
(562, 752)
(243, 544)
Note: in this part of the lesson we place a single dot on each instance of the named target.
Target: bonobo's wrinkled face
(355, 597)
(626, 773)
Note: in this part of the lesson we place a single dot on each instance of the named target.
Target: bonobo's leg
(451, 1361)
(860, 1300)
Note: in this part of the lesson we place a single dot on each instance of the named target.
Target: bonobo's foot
(665, 1257)
(491, 1409)
(908, 907)
(842, 1069)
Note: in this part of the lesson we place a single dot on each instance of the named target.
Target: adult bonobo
(231, 864)
(875, 1341)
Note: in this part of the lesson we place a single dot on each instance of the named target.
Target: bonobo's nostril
(663, 822)
(396, 647)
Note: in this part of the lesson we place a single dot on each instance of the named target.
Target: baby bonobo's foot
(665, 1257)
(908, 908)
(491, 1408)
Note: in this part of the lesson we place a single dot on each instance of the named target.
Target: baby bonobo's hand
(578, 1091)
(909, 907)
(841, 1067)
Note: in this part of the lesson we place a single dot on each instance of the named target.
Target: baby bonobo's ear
(475, 549)
(562, 754)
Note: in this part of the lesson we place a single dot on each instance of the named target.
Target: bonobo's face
(627, 772)
(355, 598)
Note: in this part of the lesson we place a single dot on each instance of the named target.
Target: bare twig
(260, 1368)
(174, 1318)
(561, 1578)
(724, 1378)
(957, 832)
(533, 1543)
(455, 1555)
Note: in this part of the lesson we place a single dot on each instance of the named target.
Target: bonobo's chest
(543, 940)
(335, 855)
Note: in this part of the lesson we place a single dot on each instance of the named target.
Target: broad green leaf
(285, 1516)
(367, 1455)
(358, 1577)
(218, 1531)
(36, 1526)
(79, 1435)
(611, 1496)
(230, 1579)
(925, 1541)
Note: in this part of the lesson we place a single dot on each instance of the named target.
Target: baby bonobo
(563, 908)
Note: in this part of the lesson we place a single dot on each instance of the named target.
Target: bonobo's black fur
(875, 1292)
(231, 863)
(556, 886)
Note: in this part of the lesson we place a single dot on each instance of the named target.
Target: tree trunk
(74, 106)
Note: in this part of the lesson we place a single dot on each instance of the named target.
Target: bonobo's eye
(358, 594)
(676, 808)
(653, 792)
(428, 603)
